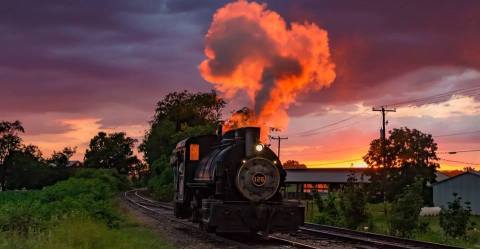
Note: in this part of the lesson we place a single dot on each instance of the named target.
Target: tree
(9, 143)
(292, 164)
(177, 115)
(111, 151)
(353, 202)
(403, 219)
(27, 169)
(60, 159)
(409, 154)
(454, 219)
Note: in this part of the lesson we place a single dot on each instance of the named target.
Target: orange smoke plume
(251, 49)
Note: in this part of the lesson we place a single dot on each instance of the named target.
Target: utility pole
(383, 143)
(279, 142)
(384, 111)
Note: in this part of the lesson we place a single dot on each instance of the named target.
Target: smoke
(252, 50)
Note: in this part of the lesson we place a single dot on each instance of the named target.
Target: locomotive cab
(233, 185)
(184, 160)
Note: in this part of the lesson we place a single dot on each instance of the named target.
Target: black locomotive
(231, 184)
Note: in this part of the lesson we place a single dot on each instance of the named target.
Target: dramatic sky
(70, 68)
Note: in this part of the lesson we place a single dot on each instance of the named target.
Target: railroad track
(159, 210)
(376, 240)
(309, 232)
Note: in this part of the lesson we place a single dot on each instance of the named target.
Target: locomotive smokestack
(252, 136)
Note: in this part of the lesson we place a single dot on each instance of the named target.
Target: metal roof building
(466, 185)
(301, 182)
(304, 181)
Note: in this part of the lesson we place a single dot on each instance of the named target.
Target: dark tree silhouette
(177, 116)
(409, 154)
(181, 114)
(9, 143)
(111, 151)
(293, 164)
(60, 159)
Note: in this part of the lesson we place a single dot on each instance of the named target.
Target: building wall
(466, 186)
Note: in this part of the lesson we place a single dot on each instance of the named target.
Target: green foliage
(111, 151)
(161, 183)
(88, 193)
(353, 203)
(179, 115)
(330, 215)
(85, 232)
(454, 220)
(409, 154)
(76, 213)
(404, 214)
(318, 201)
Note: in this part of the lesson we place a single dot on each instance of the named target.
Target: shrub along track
(309, 236)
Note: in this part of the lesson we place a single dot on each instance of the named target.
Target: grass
(85, 233)
(434, 233)
(76, 213)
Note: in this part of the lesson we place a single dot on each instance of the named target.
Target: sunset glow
(313, 69)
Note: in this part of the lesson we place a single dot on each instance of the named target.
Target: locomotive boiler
(231, 184)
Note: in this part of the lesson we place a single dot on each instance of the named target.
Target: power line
(458, 151)
(328, 125)
(457, 134)
(440, 96)
(346, 161)
(455, 161)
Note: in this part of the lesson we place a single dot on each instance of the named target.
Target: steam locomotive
(231, 183)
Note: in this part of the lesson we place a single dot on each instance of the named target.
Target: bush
(88, 193)
(161, 183)
(330, 215)
(403, 219)
(353, 203)
(20, 217)
(318, 201)
(454, 220)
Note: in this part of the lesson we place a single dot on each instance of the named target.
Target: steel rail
(291, 242)
(153, 213)
(155, 204)
(380, 240)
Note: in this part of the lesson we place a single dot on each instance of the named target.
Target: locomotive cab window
(194, 152)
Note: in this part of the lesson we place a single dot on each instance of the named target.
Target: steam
(251, 50)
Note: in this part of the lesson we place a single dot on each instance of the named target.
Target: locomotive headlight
(259, 147)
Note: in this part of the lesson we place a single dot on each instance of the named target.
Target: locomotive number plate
(259, 179)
